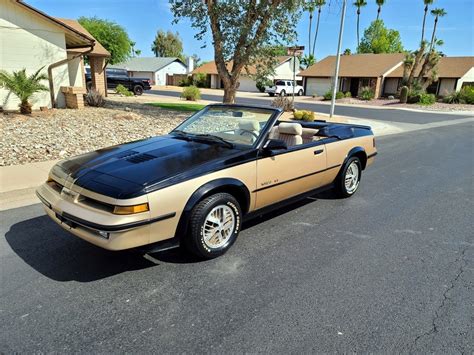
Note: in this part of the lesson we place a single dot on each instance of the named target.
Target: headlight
(131, 209)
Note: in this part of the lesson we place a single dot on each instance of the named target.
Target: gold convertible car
(196, 185)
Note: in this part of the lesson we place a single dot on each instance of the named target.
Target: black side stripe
(297, 178)
(372, 155)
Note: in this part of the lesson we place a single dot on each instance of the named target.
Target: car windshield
(226, 124)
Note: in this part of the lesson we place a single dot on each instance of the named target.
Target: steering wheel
(248, 131)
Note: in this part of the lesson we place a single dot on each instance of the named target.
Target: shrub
(454, 98)
(304, 115)
(186, 82)
(298, 115)
(328, 95)
(348, 94)
(191, 93)
(23, 86)
(122, 90)
(427, 99)
(404, 94)
(414, 95)
(284, 103)
(467, 94)
(261, 83)
(94, 98)
(200, 80)
(367, 93)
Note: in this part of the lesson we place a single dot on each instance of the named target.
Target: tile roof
(355, 65)
(448, 67)
(150, 64)
(98, 50)
(210, 67)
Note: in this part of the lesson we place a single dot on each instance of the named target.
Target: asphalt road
(393, 115)
(389, 270)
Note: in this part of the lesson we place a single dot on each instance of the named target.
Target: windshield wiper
(215, 138)
(182, 134)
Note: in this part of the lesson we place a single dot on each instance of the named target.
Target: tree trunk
(358, 17)
(416, 63)
(433, 34)
(230, 90)
(309, 32)
(316, 34)
(25, 108)
(424, 22)
(378, 12)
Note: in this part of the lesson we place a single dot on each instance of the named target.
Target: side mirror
(274, 144)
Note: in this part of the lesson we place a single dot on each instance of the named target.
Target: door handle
(319, 151)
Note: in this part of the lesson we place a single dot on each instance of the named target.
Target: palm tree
(309, 6)
(23, 86)
(319, 4)
(437, 13)
(359, 4)
(427, 4)
(379, 3)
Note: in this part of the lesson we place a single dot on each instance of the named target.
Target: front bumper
(101, 228)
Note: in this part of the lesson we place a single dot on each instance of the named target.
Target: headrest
(309, 132)
(290, 128)
(249, 125)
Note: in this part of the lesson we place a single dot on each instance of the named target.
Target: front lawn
(178, 106)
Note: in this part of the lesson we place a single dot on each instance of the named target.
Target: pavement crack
(434, 327)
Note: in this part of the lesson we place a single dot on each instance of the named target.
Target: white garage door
(247, 84)
(317, 86)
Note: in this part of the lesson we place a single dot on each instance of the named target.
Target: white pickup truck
(283, 88)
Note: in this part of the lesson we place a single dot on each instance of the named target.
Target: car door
(287, 173)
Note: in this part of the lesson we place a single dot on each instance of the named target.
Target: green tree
(308, 60)
(347, 51)
(111, 35)
(167, 44)
(241, 31)
(135, 52)
(379, 39)
(23, 86)
(379, 3)
(359, 4)
(427, 4)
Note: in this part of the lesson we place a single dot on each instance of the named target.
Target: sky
(142, 18)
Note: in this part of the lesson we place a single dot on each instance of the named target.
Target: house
(284, 69)
(452, 72)
(355, 72)
(33, 40)
(157, 69)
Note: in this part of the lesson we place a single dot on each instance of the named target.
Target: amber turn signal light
(131, 209)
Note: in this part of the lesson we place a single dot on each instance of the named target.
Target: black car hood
(136, 168)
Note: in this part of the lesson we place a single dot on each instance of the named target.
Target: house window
(433, 88)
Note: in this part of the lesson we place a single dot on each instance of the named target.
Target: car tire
(138, 90)
(89, 85)
(348, 180)
(271, 95)
(300, 93)
(283, 93)
(214, 225)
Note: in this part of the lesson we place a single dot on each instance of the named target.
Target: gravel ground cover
(61, 133)
(395, 103)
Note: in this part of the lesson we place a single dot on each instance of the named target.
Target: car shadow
(61, 256)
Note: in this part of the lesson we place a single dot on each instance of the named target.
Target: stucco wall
(75, 71)
(27, 41)
(285, 70)
(468, 77)
(173, 68)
